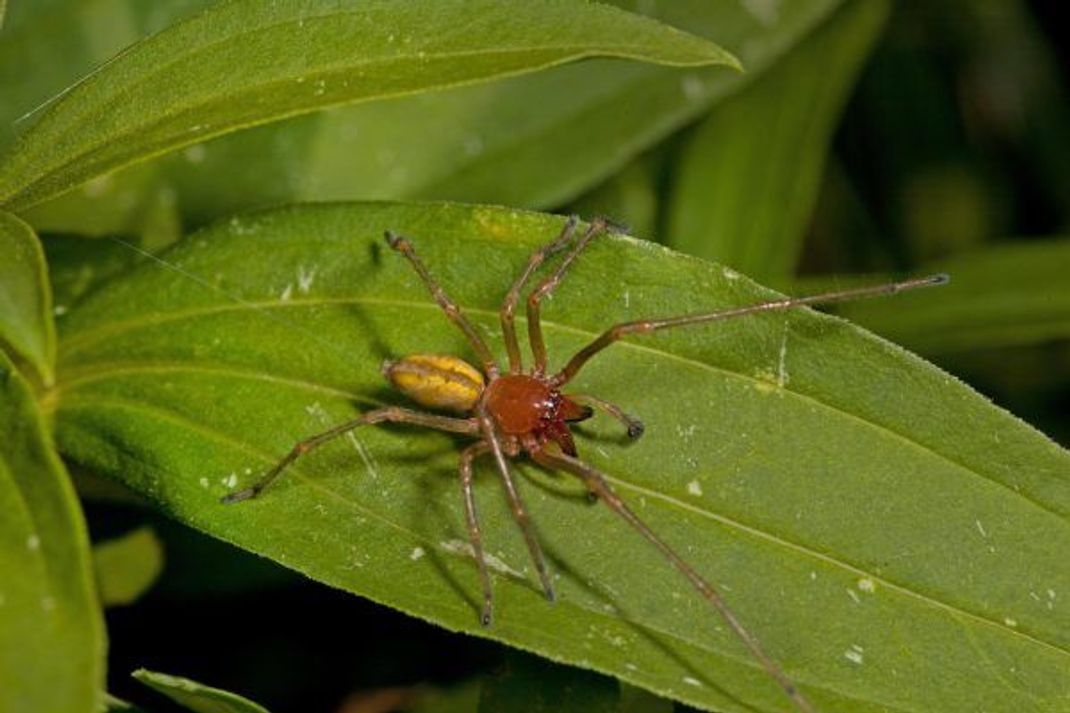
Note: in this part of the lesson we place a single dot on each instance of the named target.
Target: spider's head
(436, 381)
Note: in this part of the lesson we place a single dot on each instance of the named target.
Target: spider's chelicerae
(526, 413)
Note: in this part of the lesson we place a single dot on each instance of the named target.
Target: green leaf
(26, 325)
(746, 186)
(1001, 296)
(244, 62)
(893, 539)
(532, 685)
(538, 140)
(196, 696)
(51, 632)
(116, 705)
(127, 566)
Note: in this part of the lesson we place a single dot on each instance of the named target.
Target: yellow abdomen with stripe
(436, 381)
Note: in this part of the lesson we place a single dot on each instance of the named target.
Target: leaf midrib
(665, 498)
(114, 328)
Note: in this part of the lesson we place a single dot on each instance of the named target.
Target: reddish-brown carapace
(526, 412)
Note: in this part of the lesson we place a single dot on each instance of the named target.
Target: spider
(515, 413)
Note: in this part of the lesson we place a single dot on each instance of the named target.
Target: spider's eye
(436, 381)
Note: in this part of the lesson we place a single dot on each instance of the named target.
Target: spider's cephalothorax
(522, 412)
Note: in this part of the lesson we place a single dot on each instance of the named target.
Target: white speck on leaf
(692, 682)
(460, 547)
(1013, 623)
(730, 274)
(853, 655)
(694, 488)
(867, 585)
(230, 481)
(33, 543)
(851, 593)
(204, 482)
(305, 279)
(417, 553)
(782, 358)
(980, 528)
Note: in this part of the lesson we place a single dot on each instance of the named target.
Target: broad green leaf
(26, 325)
(33, 71)
(894, 539)
(127, 566)
(538, 140)
(3, 12)
(531, 685)
(196, 696)
(243, 62)
(51, 632)
(1002, 296)
(749, 176)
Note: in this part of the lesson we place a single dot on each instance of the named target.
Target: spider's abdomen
(436, 381)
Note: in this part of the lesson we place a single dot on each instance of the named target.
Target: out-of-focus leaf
(629, 198)
(26, 325)
(538, 140)
(462, 698)
(893, 539)
(243, 63)
(1002, 296)
(51, 632)
(747, 183)
(526, 683)
(196, 696)
(115, 705)
(127, 566)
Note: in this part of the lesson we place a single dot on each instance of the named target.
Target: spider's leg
(547, 286)
(453, 312)
(635, 426)
(618, 331)
(475, 536)
(516, 505)
(392, 414)
(508, 309)
(597, 483)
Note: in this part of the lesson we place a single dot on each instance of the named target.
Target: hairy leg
(619, 331)
(596, 482)
(453, 312)
(508, 310)
(547, 286)
(391, 414)
(475, 536)
(516, 505)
